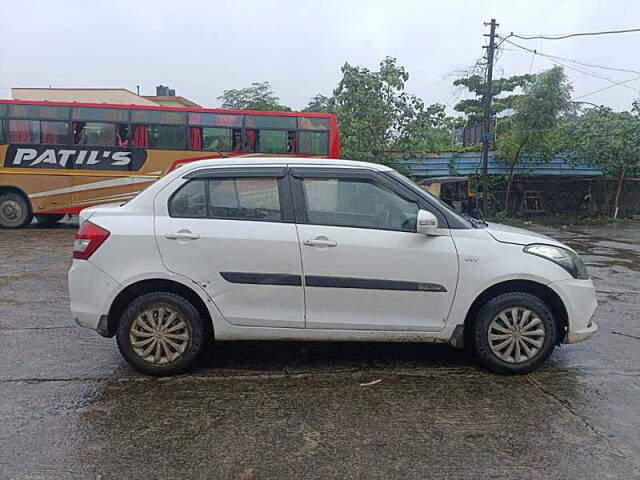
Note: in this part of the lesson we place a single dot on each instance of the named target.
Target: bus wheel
(15, 211)
(49, 218)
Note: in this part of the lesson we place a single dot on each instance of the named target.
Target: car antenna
(222, 154)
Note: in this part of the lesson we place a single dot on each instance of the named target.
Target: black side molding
(371, 284)
(262, 278)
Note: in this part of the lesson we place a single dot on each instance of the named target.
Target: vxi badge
(77, 157)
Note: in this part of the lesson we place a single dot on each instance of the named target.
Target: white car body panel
(379, 254)
(465, 261)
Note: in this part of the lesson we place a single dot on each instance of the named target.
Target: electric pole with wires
(486, 119)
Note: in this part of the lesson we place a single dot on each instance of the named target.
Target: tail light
(88, 239)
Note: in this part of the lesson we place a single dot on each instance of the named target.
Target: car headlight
(567, 259)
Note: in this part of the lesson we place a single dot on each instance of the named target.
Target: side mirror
(427, 223)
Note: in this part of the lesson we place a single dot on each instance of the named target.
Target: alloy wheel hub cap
(516, 335)
(159, 335)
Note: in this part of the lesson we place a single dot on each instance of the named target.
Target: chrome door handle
(320, 242)
(182, 236)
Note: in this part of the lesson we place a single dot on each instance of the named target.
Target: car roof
(290, 161)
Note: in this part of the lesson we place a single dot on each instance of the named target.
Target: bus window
(158, 116)
(54, 132)
(210, 139)
(24, 131)
(215, 120)
(171, 137)
(270, 121)
(94, 133)
(217, 139)
(312, 123)
(313, 143)
(273, 141)
(2, 135)
(100, 114)
(37, 111)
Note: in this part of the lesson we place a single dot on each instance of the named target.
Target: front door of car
(232, 232)
(365, 267)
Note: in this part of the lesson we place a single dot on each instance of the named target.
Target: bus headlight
(567, 259)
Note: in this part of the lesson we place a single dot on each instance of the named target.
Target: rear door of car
(232, 231)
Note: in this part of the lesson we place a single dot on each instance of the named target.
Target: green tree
(476, 85)
(259, 96)
(376, 115)
(320, 103)
(532, 128)
(609, 140)
(430, 131)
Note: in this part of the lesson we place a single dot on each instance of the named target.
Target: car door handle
(320, 242)
(182, 236)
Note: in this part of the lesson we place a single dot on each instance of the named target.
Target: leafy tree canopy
(532, 128)
(377, 117)
(259, 96)
(320, 103)
(610, 140)
(476, 85)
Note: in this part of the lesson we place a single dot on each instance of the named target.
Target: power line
(581, 34)
(607, 87)
(570, 67)
(577, 62)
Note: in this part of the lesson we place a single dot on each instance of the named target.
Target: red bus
(57, 158)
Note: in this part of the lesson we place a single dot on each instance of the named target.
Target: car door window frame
(300, 204)
(283, 184)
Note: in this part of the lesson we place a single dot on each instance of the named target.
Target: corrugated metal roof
(470, 163)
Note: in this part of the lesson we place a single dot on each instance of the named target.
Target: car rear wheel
(161, 333)
(15, 211)
(514, 333)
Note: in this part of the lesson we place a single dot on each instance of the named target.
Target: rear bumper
(89, 290)
(579, 298)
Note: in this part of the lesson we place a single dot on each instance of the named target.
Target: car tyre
(15, 211)
(161, 333)
(513, 333)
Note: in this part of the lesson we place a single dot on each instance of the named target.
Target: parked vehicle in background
(57, 158)
(297, 249)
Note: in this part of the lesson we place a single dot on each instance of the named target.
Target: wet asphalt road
(71, 408)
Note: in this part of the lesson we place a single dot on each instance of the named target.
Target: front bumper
(576, 336)
(579, 298)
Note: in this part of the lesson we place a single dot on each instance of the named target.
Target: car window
(363, 203)
(245, 199)
(189, 200)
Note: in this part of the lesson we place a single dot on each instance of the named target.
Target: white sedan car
(300, 249)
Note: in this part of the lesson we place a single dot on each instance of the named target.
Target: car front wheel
(514, 333)
(161, 333)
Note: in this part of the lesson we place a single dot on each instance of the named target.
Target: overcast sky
(202, 47)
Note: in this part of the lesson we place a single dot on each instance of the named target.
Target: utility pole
(486, 120)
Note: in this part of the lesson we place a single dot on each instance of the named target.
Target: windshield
(410, 183)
